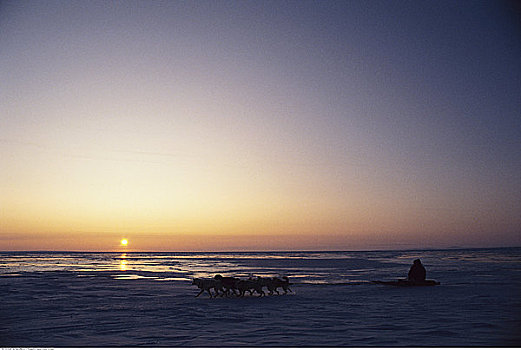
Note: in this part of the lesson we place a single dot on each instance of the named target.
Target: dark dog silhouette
(232, 286)
(282, 283)
(229, 284)
(206, 285)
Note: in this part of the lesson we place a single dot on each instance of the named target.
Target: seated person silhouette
(417, 272)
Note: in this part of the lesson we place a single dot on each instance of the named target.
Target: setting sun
(124, 241)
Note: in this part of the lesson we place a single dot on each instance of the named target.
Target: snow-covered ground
(107, 300)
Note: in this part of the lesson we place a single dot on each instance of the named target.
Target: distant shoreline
(254, 251)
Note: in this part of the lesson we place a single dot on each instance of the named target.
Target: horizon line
(254, 251)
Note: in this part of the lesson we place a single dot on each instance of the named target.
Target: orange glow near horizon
(180, 127)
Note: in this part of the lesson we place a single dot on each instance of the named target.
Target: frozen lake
(146, 299)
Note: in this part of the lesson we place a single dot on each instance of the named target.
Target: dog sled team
(229, 286)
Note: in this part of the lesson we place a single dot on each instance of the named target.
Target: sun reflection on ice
(123, 262)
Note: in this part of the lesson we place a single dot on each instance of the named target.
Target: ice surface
(146, 299)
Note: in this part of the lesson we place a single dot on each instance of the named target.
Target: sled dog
(206, 285)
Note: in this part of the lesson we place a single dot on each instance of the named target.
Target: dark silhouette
(417, 273)
(250, 285)
(229, 284)
(206, 285)
(283, 283)
(416, 277)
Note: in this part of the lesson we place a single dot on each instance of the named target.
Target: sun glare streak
(123, 262)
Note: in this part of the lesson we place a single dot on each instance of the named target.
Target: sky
(259, 125)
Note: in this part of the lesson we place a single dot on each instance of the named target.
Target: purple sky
(349, 124)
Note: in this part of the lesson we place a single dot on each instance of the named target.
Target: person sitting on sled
(417, 272)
